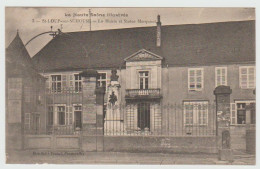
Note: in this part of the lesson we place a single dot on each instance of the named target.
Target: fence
(151, 118)
(63, 116)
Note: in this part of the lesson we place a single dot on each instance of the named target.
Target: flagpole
(89, 19)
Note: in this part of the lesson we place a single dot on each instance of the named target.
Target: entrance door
(144, 116)
(77, 116)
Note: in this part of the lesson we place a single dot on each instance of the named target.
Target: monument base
(225, 155)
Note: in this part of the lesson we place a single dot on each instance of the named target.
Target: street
(74, 157)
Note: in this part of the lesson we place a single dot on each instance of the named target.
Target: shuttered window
(77, 83)
(220, 76)
(61, 115)
(195, 79)
(195, 113)
(247, 77)
(56, 83)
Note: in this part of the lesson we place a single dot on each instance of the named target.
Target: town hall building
(163, 79)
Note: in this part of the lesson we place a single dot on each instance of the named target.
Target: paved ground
(62, 157)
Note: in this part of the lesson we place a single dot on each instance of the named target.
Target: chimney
(158, 32)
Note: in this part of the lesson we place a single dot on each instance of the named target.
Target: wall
(14, 113)
(154, 68)
(51, 142)
(34, 99)
(175, 91)
(160, 144)
(175, 84)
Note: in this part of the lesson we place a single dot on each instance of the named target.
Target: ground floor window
(77, 116)
(195, 113)
(61, 115)
(243, 112)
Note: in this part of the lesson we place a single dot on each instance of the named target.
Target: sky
(33, 21)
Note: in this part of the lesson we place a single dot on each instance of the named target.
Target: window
(56, 83)
(143, 116)
(50, 115)
(27, 120)
(102, 80)
(247, 77)
(220, 76)
(143, 79)
(61, 115)
(195, 79)
(77, 83)
(195, 113)
(77, 116)
(239, 113)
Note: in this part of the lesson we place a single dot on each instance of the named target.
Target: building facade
(166, 78)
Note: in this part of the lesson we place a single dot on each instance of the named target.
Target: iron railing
(164, 120)
(131, 93)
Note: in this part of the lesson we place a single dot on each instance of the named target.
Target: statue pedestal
(225, 154)
(113, 123)
(222, 94)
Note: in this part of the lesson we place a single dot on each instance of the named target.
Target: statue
(114, 76)
(112, 98)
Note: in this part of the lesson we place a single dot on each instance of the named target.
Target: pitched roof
(182, 45)
(18, 60)
(17, 53)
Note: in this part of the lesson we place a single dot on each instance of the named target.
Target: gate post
(92, 112)
(222, 94)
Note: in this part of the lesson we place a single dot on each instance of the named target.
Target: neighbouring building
(167, 75)
(25, 95)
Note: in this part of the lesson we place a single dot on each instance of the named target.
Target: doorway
(143, 116)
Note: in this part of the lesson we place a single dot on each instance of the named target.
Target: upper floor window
(56, 83)
(143, 79)
(247, 77)
(195, 113)
(195, 79)
(102, 80)
(221, 76)
(77, 83)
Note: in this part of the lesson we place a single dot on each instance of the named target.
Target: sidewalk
(62, 157)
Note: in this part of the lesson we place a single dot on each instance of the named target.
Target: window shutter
(68, 81)
(47, 82)
(233, 113)
(68, 116)
(202, 78)
(71, 81)
(64, 81)
(27, 121)
(55, 112)
(243, 77)
(184, 114)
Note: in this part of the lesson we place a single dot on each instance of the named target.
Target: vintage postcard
(130, 85)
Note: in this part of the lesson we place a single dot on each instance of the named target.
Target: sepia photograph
(130, 85)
